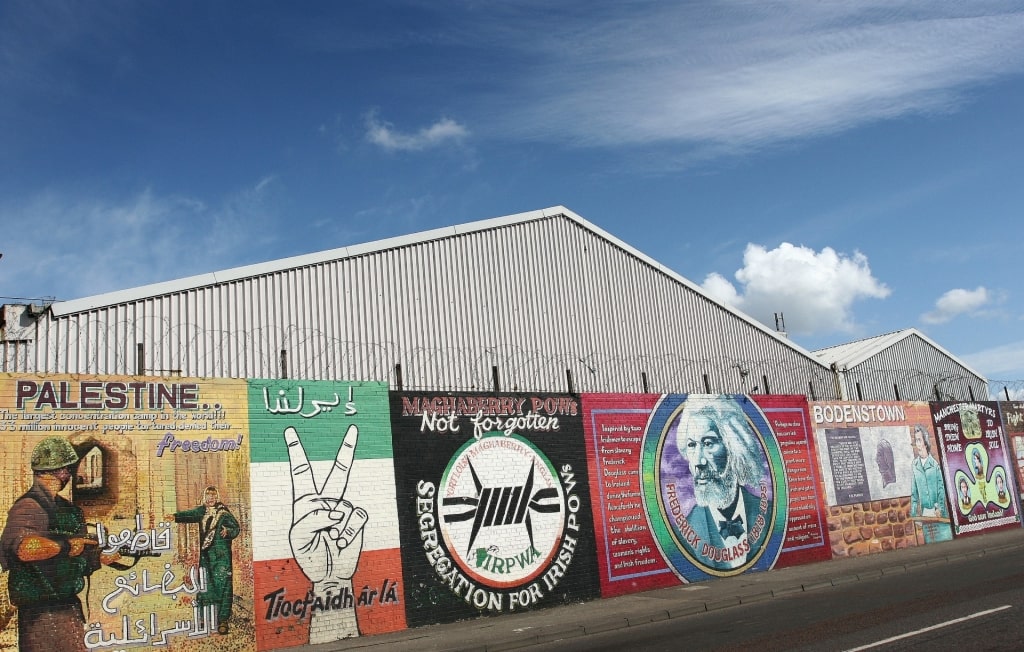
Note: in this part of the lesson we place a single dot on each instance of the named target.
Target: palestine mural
(326, 561)
(692, 487)
(124, 513)
(976, 465)
(493, 503)
(883, 481)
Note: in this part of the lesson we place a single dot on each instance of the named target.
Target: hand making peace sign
(327, 531)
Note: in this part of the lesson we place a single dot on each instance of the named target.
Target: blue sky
(856, 166)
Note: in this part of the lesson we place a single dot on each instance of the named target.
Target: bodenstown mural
(493, 503)
(976, 466)
(883, 481)
(125, 514)
(326, 560)
(694, 487)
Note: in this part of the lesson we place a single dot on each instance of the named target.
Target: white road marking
(928, 629)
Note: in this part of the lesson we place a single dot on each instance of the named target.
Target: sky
(855, 166)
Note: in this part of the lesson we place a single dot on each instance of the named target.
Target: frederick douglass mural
(714, 485)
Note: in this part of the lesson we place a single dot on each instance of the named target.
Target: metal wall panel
(541, 300)
(915, 371)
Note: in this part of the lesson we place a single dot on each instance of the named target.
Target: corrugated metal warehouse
(903, 365)
(539, 301)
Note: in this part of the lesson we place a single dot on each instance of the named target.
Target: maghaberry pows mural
(493, 503)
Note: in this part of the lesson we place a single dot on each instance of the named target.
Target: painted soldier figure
(45, 547)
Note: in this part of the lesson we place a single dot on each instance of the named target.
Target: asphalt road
(973, 603)
(963, 594)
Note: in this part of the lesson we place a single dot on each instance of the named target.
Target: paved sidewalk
(491, 634)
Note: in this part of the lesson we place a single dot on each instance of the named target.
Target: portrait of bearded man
(724, 457)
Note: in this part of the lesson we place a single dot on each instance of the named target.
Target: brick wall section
(877, 526)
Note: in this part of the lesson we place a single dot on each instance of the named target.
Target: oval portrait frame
(664, 505)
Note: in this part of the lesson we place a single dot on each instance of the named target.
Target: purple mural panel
(976, 465)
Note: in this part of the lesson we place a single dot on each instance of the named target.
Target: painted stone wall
(493, 503)
(130, 518)
(883, 481)
(694, 487)
(976, 465)
(200, 514)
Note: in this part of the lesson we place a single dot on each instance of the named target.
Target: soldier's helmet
(53, 453)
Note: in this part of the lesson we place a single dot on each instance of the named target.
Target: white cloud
(722, 290)
(733, 76)
(1004, 361)
(384, 134)
(814, 291)
(957, 302)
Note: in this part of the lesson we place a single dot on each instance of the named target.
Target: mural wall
(694, 487)
(493, 503)
(977, 466)
(326, 560)
(198, 514)
(1012, 414)
(137, 489)
(883, 482)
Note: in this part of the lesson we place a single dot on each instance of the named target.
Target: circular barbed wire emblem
(502, 510)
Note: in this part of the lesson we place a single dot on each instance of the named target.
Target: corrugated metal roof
(100, 301)
(851, 354)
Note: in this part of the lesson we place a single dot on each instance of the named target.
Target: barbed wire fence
(176, 349)
(1006, 390)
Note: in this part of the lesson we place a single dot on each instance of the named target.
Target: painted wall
(976, 465)
(658, 520)
(326, 560)
(493, 503)
(1012, 413)
(883, 481)
(263, 514)
(149, 449)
